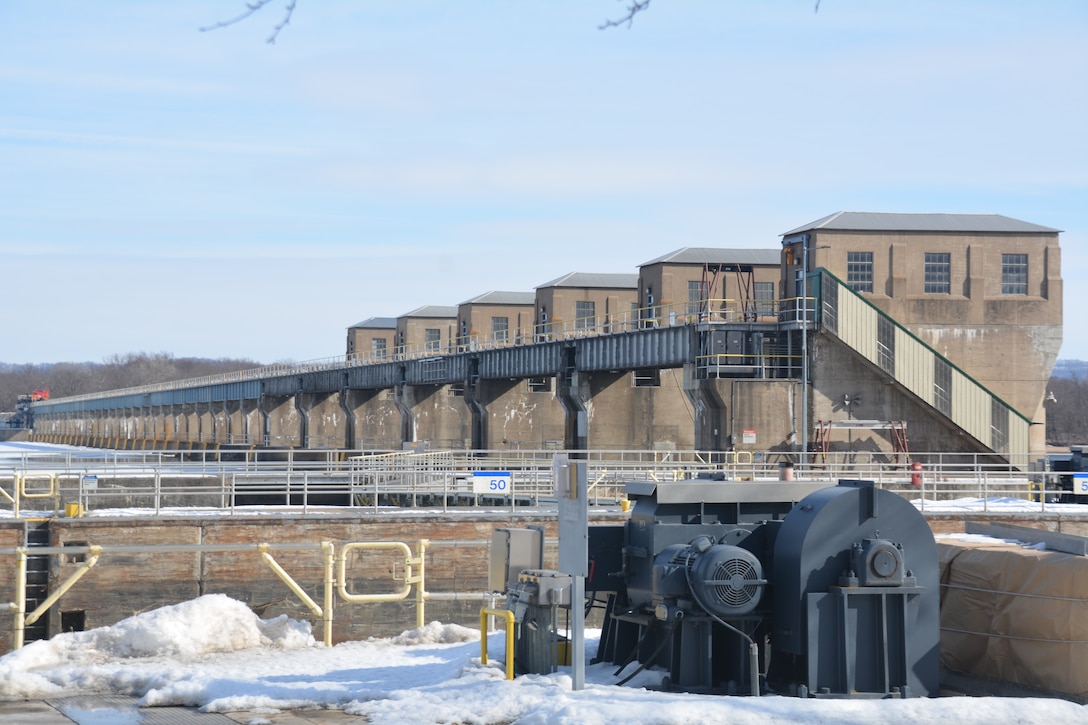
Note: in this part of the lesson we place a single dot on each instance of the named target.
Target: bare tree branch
(633, 9)
(251, 8)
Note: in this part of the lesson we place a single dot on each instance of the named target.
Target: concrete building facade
(695, 284)
(372, 339)
(582, 303)
(496, 318)
(431, 329)
(982, 290)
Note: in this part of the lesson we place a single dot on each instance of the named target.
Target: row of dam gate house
(882, 333)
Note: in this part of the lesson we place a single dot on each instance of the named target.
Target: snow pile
(186, 631)
(213, 653)
(433, 633)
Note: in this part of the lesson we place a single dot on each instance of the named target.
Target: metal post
(19, 605)
(578, 633)
(420, 580)
(328, 552)
(804, 350)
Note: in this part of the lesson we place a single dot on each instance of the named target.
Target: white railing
(155, 480)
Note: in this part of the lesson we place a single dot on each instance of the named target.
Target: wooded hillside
(118, 371)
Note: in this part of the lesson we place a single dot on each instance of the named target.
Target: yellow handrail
(24, 620)
(21, 482)
(509, 616)
(341, 579)
(324, 612)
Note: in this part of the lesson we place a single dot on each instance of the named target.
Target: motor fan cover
(727, 580)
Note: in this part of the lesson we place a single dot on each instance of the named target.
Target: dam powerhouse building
(870, 332)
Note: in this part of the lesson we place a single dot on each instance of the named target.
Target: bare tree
(255, 6)
(636, 7)
(251, 8)
(114, 373)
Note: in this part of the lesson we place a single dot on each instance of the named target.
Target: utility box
(545, 588)
(513, 551)
(539, 649)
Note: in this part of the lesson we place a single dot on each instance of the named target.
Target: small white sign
(1080, 484)
(491, 482)
(748, 437)
(90, 482)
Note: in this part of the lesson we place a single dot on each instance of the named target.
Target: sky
(207, 194)
(215, 654)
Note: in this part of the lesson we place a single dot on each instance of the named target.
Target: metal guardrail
(350, 479)
(660, 315)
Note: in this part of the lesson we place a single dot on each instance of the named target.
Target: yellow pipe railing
(417, 578)
(19, 605)
(509, 617)
(94, 552)
(334, 579)
(24, 620)
(324, 612)
(341, 578)
(21, 479)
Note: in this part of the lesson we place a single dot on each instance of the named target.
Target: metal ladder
(37, 576)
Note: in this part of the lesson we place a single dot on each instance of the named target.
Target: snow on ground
(215, 654)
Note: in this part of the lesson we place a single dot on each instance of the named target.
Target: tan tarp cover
(1015, 614)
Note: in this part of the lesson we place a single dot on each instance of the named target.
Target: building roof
(897, 222)
(502, 298)
(379, 323)
(432, 311)
(594, 280)
(714, 255)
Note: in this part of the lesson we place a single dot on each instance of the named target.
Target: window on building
(432, 339)
(999, 425)
(377, 346)
(500, 329)
(1014, 274)
(859, 271)
(542, 325)
(829, 309)
(540, 385)
(942, 385)
(764, 296)
(938, 273)
(697, 295)
(585, 314)
(885, 344)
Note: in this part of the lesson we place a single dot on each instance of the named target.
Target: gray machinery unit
(820, 591)
(533, 594)
(535, 601)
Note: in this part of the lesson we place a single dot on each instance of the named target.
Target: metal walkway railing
(160, 481)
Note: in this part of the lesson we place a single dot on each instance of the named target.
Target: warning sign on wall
(748, 437)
